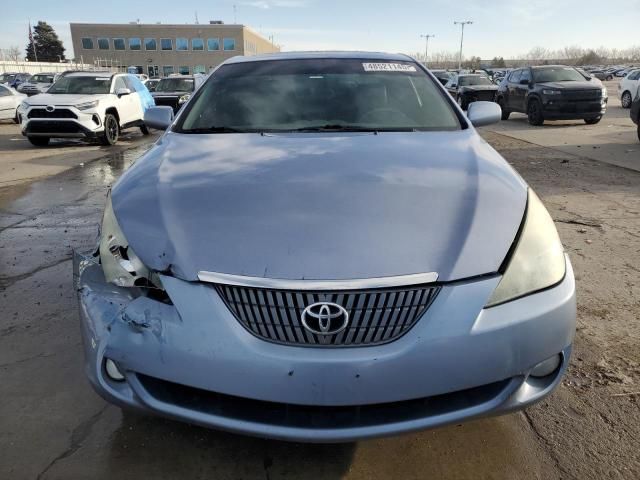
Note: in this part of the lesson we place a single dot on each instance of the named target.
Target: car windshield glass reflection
(42, 79)
(81, 85)
(175, 85)
(470, 80)
(557, 74)
(318, 95)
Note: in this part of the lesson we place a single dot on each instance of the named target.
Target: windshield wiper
(213, 129)
(337, 127)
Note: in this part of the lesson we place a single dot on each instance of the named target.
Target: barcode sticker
(388, 67)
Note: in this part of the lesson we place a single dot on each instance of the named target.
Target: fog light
(546, 367)
(112, 370)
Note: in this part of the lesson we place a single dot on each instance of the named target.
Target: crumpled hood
(62, 99)
(321, 206)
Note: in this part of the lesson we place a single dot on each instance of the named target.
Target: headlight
(183, 99)
(551, 92)
(24, 106)
(120, 264)
(538, 260)
(87, 105)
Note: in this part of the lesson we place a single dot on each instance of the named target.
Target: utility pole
(426, 47)
(462, 24)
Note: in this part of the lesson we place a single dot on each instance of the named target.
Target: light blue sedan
(321, 248)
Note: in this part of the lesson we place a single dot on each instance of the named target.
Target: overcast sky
(501, 27)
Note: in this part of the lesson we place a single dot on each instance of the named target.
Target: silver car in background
(322, 248)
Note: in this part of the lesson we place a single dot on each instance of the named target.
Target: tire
(592, 121)
(609, 78)
(144, 129)
(639, 131)
(505, 112)
(39, 141)
(626, 100)
(16, 119)
(534, 112)
(111, 130)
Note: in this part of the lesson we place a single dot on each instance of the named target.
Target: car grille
(375, 316)
(54, 127)
(168, 101)
(581, 95)
(57, 113)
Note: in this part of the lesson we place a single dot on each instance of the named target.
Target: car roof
(90, 74)
(321, 55)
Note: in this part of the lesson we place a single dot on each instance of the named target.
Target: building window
(152, 70)
(199, 69)
(134, 44)
(229, 43)
(182, 44)
(197, 44)
(167, 70)
(150, 44)
(103, 43)
(213, 44)
(87, 43)
(166, 44)
(183, 70)
(118, 43)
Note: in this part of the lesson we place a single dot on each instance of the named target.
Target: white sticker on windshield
(103, 78)
(388, 67)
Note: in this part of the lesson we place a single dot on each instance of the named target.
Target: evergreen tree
(48, 47)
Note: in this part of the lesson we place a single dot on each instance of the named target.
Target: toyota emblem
(325, 318)
(49, 108)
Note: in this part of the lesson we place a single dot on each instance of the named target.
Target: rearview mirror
(159, 118)
(483, 113)
(123, 91)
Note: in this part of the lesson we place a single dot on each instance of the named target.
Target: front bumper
(86, 124)
(558, 109)
(193, 361)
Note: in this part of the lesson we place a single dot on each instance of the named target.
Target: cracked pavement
(53, 426)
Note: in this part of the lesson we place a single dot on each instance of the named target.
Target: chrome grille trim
(304, 285)
(376, 316)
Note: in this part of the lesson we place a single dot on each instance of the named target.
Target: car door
(512, 83)
(521, 89)
(125, 104)
(7, 103)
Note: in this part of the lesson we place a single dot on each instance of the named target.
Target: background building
(161, 49)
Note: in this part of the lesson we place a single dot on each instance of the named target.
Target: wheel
(505, 112)
(534, 112)
(144, 129)
(609, 77)
(39, 141)
(111, 130)
(464, 103)
(16, 119)
(592, 121)
(626, 100)
(639, 131)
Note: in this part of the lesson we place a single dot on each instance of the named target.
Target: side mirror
(524, 82)
(483, 113)
(123, 91)
(159, 118)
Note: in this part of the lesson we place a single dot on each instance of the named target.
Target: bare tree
(13, 53)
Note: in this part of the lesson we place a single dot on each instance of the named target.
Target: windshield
(318, 95)
(175, 85)
(4, 78)
(81, 85)
(474, 80)
(557, 74)
(42, 79)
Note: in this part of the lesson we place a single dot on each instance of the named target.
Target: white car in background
(93, 105)
(627, 88)
(9, 102)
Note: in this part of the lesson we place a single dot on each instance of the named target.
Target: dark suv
(174, 91)
(635, 111)
(552, 92)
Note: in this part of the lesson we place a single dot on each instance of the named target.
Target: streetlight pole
(426, 47)
(462, 24)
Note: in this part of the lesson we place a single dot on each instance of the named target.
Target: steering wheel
(392, 113)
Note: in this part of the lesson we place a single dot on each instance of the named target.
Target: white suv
(627, 88)
(86, 105)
